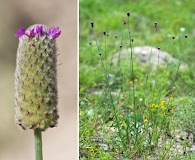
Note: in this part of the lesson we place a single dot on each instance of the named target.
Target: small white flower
(168, 35)
(182, 29)
(90, 112)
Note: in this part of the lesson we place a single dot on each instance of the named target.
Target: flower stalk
(36, 95)
(38, 144)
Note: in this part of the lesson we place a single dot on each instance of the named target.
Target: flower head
(145, 120)
(130, 82)
(39, 30)
(54, 32)
(36, 107)
(30, 33)
(21, 31)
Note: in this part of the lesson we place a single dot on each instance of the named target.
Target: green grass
(128, 115)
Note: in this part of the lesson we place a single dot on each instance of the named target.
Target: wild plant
(133, 102)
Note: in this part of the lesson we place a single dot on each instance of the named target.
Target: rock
(146, 55)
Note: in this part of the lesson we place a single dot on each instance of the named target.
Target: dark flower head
(124, 21)
(155, 24)
(104, 32)
(39, 30)
(92, 24)
(30, 32)
(54, 32)
(21, 31)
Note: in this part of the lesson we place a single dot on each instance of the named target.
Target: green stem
(38, 144)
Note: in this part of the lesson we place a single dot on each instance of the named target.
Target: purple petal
(20, 32)
(30, 33)
(39, 30)
(54, 32)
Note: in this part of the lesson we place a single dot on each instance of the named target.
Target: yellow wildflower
(131, 82)
(135, 80)
(99, 127)
(154, 105)
(145, 120)
(141, 84)
(162, 102)
(163, 107)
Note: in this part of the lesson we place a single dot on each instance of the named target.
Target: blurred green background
(61, 142)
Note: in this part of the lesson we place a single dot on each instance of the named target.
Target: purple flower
(30, 33)
(39, 30)
(20, 32)
(54, 32)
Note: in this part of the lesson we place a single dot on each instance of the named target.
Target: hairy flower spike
(35, 78)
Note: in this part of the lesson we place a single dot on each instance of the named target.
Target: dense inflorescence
(36, 95)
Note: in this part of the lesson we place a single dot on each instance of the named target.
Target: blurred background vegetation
(61, 142)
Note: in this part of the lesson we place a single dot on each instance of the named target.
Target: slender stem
(38, 144)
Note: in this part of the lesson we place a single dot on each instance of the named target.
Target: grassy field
(127, 110)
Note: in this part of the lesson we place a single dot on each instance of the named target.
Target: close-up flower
(21, 31)
(30, 33)
(36, 95)
(54, 32)
(38, 30)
